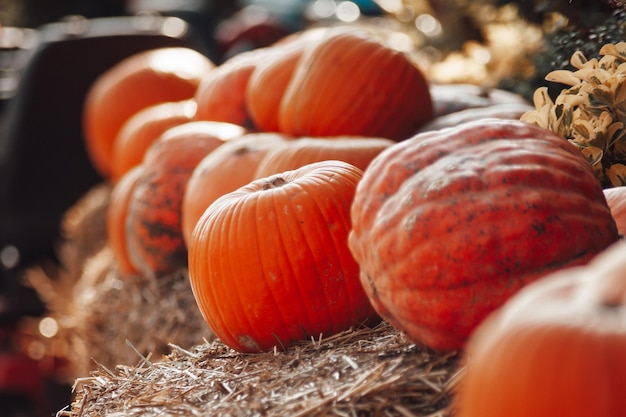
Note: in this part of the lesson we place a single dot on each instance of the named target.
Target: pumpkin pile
(322, 184)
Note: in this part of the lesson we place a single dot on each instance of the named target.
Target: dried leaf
(617, 175)
(563, 77)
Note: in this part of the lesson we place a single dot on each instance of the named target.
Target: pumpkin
(616, 199)
(221, 94)
(138, 81)
(154, 229)
(142, 129)
(117, 216)
(357, 150)
(555, 349)
(269, 262)
(227, 168)
(270, 78)
(351, 83)
(449, 224)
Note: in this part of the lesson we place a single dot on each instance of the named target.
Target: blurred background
(52, 50)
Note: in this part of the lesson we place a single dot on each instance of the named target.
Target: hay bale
(363, 372)
(97, 312)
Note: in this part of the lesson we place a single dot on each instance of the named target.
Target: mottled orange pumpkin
(154, 229)
(555, 349)
(352, 83)
(449, 224)
(269, 263)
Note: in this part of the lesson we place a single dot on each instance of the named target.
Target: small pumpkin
(221, 95)
(356, 150)
(142, 129)
(555, 349)
(616, 199)
(138, 81)
(351, 83)
(154, 229)
(269, 263)
(117, 216)
(449, 224)
(227, 168)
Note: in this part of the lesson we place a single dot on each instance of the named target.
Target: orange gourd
(154, 229)
(449, 224)
(269, 263)
(144, 128)
(143, 79)
(227, 168)
(357, 150)
(555, 349)
(351, 83)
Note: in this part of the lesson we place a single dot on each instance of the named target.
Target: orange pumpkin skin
(269, 263)
(117, 216)
(154, 229)
(449, 224)
(227, 168)
(350, 83)
(555, 349)
(144, 128)
(270, 78)
(616, 199)
(221, 96)
(141, 80)
(358, 151)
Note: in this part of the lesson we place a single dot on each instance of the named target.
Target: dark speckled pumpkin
(447, 225)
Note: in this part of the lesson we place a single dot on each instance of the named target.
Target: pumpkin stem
(274, 182)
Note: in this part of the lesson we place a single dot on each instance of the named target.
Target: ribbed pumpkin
(555, 349)
(221, 95)
(154, 229)
(269, 263)
(351, 83)
(357, 150)
(270, 78)
(144, 128)
(141, 80)
(616, 199)
(117, 217)
(227, 168)
(449, 224)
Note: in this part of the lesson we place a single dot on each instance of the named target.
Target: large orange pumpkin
(154, 229)
(555, 349)
(449, 224)
(144, 128)
(351, 83)
(356, 150)
(227, 168)
(143, 79)
(269, 263)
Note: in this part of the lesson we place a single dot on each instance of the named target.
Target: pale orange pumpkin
(616, 199)
(555, 349)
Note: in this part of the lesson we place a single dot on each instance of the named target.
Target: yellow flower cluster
(591, 113)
